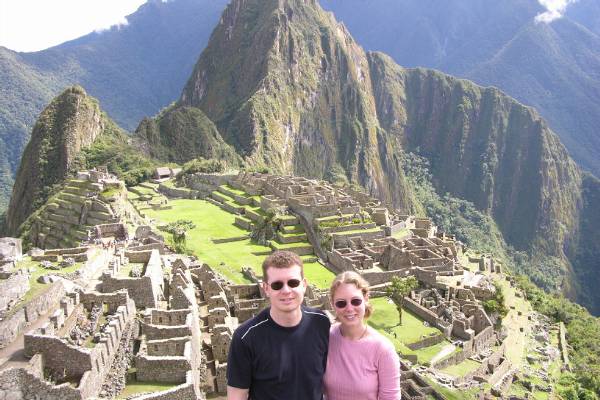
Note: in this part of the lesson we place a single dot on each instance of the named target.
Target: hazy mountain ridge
(550, 66)
(134, 71)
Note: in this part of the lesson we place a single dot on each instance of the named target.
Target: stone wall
(11, 327)
(27, 314)
(88, 366)
(145, 291)
(162, 369)
(169, 317)
(20, 384)
(206, 183)
(420, 311)
(13, 288)
(181, 392)
(166, 347)
(427, 342)
(157, 332)
(181, 193)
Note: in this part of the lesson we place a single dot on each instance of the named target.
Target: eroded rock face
(70, 123)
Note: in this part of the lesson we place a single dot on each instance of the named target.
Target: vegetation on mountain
(583, 335)
(194, 136)
(71, 134)
(552, 67)
(134, 70)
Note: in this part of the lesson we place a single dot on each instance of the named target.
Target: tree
(398, 289)
(178, 230)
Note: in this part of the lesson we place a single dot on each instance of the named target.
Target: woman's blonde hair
(351, 277)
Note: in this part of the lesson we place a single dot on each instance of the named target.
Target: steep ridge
(71, 121)
(552, 67)
(288, 88)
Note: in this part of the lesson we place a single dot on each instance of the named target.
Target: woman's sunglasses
(278, 285)
(344, 303)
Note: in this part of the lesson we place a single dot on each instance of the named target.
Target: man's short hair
(282, 259)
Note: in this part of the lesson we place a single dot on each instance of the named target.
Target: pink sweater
(365, 369)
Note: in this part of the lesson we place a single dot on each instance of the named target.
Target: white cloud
(554, 10)
(31, 25)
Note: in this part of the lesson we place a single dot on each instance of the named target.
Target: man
(282, 352)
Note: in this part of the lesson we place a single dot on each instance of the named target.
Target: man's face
(286, 299)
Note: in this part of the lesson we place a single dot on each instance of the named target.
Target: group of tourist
(293, 352)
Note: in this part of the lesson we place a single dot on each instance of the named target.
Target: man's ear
(265, 287)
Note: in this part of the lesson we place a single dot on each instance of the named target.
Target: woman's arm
(388, 372)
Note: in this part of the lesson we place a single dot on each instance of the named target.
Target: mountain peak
(71, 122)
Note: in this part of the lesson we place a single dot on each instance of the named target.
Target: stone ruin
(187, 313)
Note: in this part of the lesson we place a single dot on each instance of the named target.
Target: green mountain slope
(134, 71)
(553, 67)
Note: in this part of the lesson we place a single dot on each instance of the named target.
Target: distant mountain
(133, 70)
(289, 89)
(553, 67)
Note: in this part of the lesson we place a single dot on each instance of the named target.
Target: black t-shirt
(277, 362)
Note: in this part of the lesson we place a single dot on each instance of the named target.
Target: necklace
(360, 337)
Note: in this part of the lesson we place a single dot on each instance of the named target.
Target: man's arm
(234, 393)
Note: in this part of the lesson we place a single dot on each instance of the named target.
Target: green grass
(426, 354)
(401, 233)
(135, 387)
(212, 222)
(236, 191)
(145, 190)
(357, 231)
(36, 288)
(285, 246)
(385, 318)
(318, 275)
(462, 368)
(126, 269)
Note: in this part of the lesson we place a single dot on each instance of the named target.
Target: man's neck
(287, 319)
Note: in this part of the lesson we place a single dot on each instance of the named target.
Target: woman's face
(353, 302)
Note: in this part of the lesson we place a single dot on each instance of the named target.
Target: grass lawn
(236, 191)
(318, 275)
(385, 317)
(144, 387)
(212, 222)
(401, 233)
(426, 354)
(462, 369)
(357, 231)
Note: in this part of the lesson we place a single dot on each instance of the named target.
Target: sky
(31, 25)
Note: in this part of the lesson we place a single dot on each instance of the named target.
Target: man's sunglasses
(278, 285)
(344, 303)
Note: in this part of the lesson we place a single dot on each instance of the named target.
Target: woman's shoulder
(380, 341)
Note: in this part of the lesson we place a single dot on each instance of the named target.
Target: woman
(361, 363)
